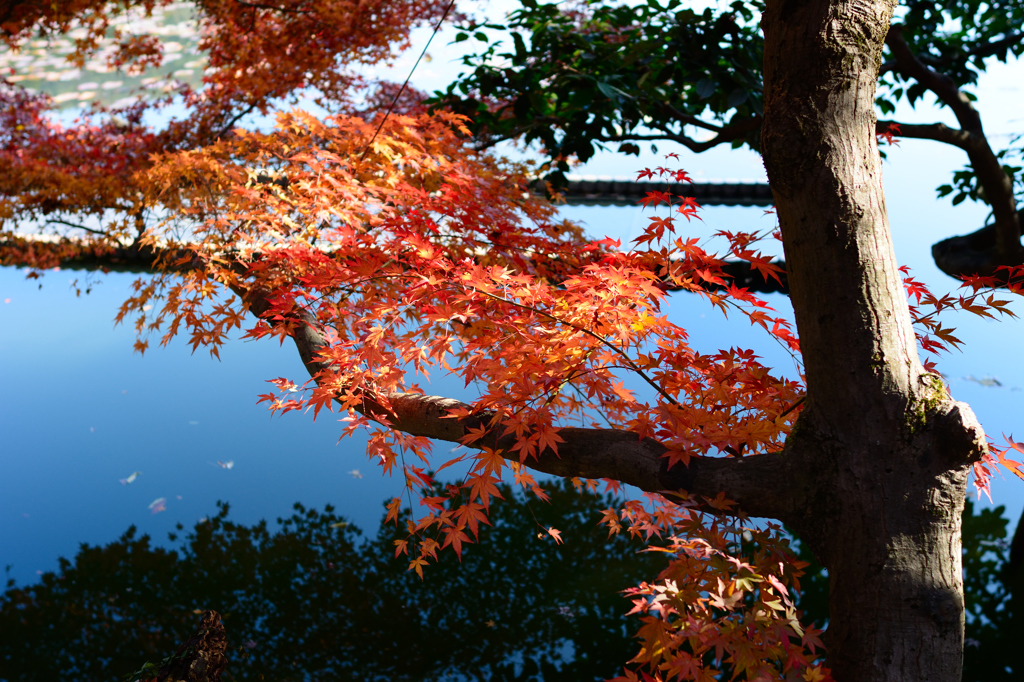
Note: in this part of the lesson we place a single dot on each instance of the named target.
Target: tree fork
(998, 244)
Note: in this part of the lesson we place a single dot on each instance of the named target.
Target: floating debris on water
(988, 382)
(131, 478)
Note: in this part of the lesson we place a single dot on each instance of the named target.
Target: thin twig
(75, 225)
(406, 83)
(793, 407)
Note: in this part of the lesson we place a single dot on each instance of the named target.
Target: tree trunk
(893, 450)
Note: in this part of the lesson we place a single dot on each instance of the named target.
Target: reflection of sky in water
(170, 415)
(80, 413)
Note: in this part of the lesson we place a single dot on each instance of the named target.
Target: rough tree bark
(893, 450)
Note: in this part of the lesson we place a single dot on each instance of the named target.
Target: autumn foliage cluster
(414, 255)
(410, 253)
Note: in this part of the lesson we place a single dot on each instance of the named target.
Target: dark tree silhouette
(311, 601)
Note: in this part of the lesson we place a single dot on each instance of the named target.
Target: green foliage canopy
(575, 77)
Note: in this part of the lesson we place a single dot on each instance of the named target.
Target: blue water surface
(79, 411)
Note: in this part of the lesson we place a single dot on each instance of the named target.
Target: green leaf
(611, 92)
(520, 47)
(705, 88)
(736, 97)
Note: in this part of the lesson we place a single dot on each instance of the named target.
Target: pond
(94, 439)
(97, 440)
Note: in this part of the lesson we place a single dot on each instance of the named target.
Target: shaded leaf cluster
(573, 80)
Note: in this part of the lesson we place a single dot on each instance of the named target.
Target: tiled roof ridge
(606, 190)
(589, 177)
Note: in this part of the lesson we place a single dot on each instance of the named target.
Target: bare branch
(234, 119)
(689, 143)
(57, 221)
(932, 131)
(985, 49)
(683, 117)
(997, 184)
(725, 134)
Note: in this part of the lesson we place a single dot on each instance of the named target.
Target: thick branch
(985, 49)
(941, 84)
(725, 134)
(997, 184)
(689, 143)
(761, 485)
(939, 132)
(682, 117)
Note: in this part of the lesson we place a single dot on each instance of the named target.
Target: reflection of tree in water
(309, 601)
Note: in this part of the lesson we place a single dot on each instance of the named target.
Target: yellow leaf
(814, 674)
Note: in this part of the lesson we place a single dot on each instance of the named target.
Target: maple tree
(577, 76)
(389, 248)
